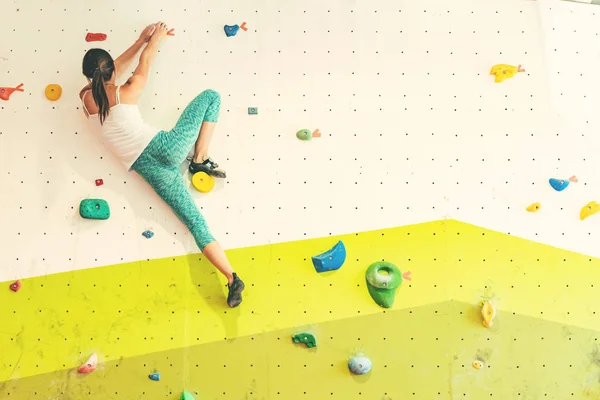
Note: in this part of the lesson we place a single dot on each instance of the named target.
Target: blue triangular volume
(559, 184)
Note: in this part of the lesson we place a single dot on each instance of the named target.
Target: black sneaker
(208, 166)
(234, 298)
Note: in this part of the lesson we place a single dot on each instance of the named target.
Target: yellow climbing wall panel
(168, 315)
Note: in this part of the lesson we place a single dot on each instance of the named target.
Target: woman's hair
(98, 66)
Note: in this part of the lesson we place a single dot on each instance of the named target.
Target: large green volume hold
(383, 278)
(94, 209)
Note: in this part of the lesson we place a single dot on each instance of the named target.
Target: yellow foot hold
(203, 182)
(589, 209)
(477, 364)
(505, 71)
(534, 207)
(488, 312)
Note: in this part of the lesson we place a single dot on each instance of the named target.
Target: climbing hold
(89, 366)
(94, 209)
(316, 133)
(488, 312)
(147, 234)
(203, 182)
(231, 30)
(477, 364)
(332, 259)
(252, 110)
(155, 376)
(53, 92)
(560, 184)
(99, 182)
(359, 365)
(596, 2)
(304, 134)
(306, 338)
(186, 396)
(534, 207)
(243, 27)
(15, 286)
(383, 278)
(5, 92)
(505, 71)
(95, 37)
(589, 209)
(170, 32)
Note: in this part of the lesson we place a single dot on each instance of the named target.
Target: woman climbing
(155, 154)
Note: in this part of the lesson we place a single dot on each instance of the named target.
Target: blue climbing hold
(147, 234)
(155, 376)
(231, 30)
(559, 184)
(332, 259)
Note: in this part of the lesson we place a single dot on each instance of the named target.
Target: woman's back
(124, 130)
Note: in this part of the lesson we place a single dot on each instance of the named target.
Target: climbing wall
(424, 161)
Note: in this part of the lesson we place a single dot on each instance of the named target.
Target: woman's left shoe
(234, 298)
(208, 166)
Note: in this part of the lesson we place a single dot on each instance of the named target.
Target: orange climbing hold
(53, 92)
(170, 32)
(589, 209)
(89, 366)
(243, 26)
(5, 92)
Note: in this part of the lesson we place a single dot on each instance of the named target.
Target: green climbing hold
(94, 209)
(187, 396)
(383, 278)
(304, 134)
(306, 338)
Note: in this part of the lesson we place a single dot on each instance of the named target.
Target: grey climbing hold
(359, 365)
(330, 260)
(155, 376)
(231, 30)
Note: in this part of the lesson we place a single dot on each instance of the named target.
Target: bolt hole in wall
(422, 169)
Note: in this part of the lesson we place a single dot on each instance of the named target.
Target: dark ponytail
(98, 66)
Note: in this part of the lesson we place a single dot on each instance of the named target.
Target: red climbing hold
(15, 286)
(95, 37)
(5, 92)
(99, 182)
(170, 32)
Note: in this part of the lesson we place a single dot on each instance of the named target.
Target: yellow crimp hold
(505, 71)
(534, 207)
(488, 312)
(589, 209)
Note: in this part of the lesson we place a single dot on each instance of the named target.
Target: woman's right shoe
(208, 166)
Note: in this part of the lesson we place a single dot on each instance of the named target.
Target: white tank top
(124, 131)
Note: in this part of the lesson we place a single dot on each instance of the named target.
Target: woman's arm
(124, 60)
(138, 80)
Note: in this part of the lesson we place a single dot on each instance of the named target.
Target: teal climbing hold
(94, 209)
(306, 338)
(231, 30)
(332, 259)
(155, 376)
(186, 396)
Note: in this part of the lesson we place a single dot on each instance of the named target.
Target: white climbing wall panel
(414, 128)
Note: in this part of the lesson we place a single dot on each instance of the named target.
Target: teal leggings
(160, 161)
